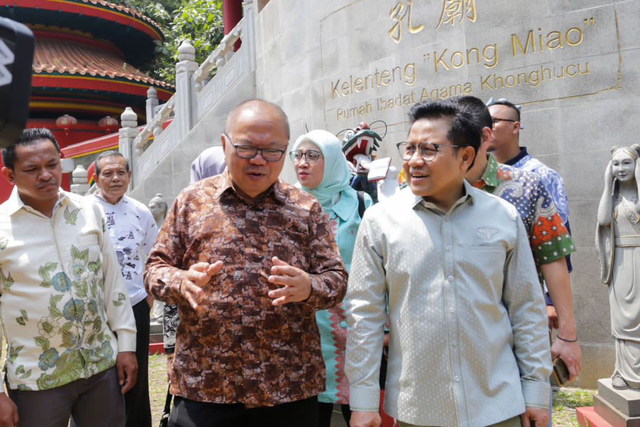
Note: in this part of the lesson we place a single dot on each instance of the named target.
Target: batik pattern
(238, 347)
(548, 236)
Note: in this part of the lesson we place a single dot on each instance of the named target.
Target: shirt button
(446, 219)
(457, 378)
(450, 278)
(454, 343)
(451, 310)
(448, 248)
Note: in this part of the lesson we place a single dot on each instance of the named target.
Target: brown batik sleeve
(164, 270)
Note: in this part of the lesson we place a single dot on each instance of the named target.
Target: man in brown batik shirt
(248, 259)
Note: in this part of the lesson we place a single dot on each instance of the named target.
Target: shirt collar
(119, 202)
(468, 196)
(14, 203)
(224, 184)
(523, 153)
(490, 175)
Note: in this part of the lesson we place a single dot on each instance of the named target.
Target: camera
(17, 46)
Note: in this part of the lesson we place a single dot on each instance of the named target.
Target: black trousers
(189, 413)
(325, 411)
(136, 400)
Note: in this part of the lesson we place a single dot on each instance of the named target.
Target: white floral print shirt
(62, 298)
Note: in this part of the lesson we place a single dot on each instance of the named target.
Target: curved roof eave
(132, 32)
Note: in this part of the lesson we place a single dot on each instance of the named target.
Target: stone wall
(572, 65)
(172, 174)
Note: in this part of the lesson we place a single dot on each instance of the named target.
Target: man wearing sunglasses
(505, 146)
(468, 338)
(248, 259)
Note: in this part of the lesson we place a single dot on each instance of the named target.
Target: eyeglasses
(311, 156)
(427, 152)
(249, 151)
(496, 120)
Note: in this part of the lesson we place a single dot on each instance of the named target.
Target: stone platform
(611, 407)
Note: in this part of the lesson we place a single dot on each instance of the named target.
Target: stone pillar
(185, 110)
(128, 133)
(79, 178)
(152, 103)
(249, 31)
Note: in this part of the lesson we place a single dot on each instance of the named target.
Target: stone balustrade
(196, 92)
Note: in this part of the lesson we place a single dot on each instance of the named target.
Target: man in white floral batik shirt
(64, 310)
(133, 231)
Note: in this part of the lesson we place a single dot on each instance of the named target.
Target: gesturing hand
(197, 276)
(296, 283)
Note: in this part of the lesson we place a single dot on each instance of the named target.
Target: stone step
(587, 417)
(155, 328)
(612, 415)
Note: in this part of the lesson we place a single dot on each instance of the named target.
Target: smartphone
(560, 372)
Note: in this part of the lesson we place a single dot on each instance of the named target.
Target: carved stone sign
(412, 51)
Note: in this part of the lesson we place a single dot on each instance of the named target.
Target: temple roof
(131, 32)
(124, 9)
(67, 57)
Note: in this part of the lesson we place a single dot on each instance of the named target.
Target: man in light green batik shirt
(468, 332)
(66, 318)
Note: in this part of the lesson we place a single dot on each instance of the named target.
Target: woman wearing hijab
(323, 171)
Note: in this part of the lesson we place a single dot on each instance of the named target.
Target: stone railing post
(249, 32)
(79, 177)
(127, 133)
(185, 109)
(152, 103)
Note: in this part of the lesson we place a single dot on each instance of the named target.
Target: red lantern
(109, 124)
(66, 122)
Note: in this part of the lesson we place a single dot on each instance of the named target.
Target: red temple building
(84, 69)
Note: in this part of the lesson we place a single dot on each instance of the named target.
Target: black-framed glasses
(427, 151)
(311, 156)
(496, 120)
(249, 151)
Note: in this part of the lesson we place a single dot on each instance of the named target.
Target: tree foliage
(197, 20)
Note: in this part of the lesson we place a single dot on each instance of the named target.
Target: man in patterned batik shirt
(549, 238)
(505, 146)
(468, 339)
(133, 231)
(248, 259)
(210, 162)
(68, 323)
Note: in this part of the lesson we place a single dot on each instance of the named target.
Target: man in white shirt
(468, 338)
(64, 311)
(133, 231)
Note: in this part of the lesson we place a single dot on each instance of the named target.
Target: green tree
(197, 20)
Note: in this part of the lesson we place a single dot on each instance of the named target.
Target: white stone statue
(618, 245)
(158, 208)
